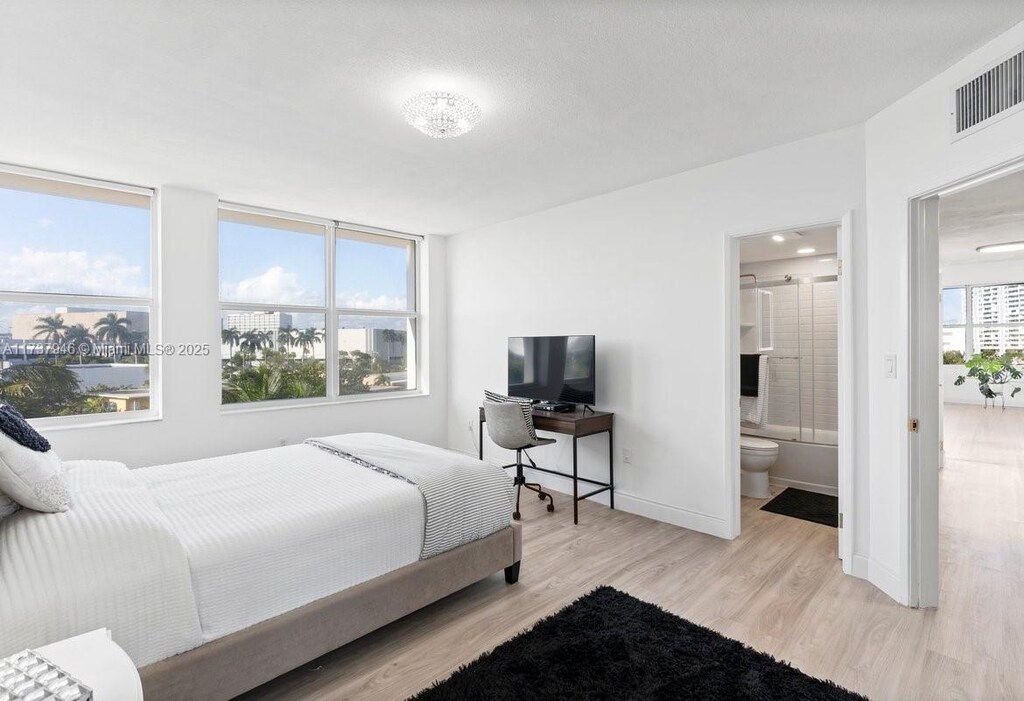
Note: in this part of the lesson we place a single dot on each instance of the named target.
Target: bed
(218, 575)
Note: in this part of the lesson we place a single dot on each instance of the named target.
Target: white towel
(752, 409)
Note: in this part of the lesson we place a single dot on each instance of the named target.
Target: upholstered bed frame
(229, 666)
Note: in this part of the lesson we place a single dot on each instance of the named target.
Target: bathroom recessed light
(804, 251)
(825, 260)
(778, 238)
(1002, 247)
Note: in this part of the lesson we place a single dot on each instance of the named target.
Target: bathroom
(789, 407)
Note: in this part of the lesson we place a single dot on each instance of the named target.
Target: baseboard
(677, 516)
(806, 486)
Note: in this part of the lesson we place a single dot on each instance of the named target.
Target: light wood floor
(778, 588)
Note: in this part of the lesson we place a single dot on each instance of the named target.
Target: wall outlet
(627, 456)
(470, 426)
(282, 441)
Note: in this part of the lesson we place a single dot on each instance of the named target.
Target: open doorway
(792, 316)
(967, 388)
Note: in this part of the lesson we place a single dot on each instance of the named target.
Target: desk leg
(575, 487)
(611, 471)
(481, 424)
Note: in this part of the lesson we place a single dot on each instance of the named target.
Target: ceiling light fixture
(804, 251)
(825, 260)
(1002, 247)
(778, 238)
(441, 115)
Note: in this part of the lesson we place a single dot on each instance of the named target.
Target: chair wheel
(541, 496)
(516, 515)
(551, 507)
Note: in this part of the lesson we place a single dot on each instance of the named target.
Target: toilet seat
(750, 444)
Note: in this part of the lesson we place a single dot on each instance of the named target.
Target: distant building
(257, 321)
(126, 400)
(385, 344)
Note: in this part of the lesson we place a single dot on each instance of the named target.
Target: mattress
(271, 530)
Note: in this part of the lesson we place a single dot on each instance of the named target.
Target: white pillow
(7, 506)
(30, 472)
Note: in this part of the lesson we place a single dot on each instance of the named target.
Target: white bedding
(272, 530)
(113, 560)
(172, 556)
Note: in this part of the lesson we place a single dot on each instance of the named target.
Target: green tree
(308, 338)
(43, 389)
(79, 338)
(50, 328)
(113, 329)
(230, 337)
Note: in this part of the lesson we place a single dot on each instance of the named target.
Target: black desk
(578, 425)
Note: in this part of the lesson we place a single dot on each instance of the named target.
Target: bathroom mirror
(765, 321)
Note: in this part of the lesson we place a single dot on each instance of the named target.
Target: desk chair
(506, 425)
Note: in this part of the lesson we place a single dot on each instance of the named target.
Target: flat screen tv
(552, 368)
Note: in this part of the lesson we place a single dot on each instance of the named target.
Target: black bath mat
(809, 506)
(609, 645)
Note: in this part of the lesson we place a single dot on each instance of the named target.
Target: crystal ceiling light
(441, 115)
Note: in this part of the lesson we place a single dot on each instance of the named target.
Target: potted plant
(989, 370)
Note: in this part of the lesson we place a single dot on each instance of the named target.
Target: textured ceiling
(295, 104)
(992, 212)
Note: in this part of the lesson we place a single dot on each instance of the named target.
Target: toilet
(756, 456)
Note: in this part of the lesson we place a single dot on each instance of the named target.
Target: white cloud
(74, 272)
(364, 300)
(44, 222)
(275, 286)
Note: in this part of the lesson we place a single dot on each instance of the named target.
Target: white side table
(99, 663)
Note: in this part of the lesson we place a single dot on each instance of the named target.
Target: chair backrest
(506, 425)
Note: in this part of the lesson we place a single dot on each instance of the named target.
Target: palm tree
(254, 341)
(287, 337)
(308, 338)
(254, 385)
(113, 329)
(42, 389)
(79, 338)
(230, 337)
(50, 328)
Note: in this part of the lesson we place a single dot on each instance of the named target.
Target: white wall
(193, 425)
(644, 269)
(990, 273)
(909, 152)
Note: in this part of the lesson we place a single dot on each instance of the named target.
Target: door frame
(924, 343)
(846, 369)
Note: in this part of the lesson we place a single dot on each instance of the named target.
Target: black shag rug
(809, 506)
(608, 645)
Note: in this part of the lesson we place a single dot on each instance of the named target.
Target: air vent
(997, 92)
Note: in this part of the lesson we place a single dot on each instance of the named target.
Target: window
(375, 284)
(983, 319)
(281, 320)
(75, 297)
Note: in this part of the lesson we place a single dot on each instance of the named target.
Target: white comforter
(113, 560)
(272, 530)
(173, 556)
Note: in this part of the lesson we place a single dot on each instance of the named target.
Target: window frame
(151, 303)
(332, 312)
(969, 324)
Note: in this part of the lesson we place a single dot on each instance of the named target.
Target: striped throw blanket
(465, 499)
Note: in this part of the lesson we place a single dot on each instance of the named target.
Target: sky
(58, 244)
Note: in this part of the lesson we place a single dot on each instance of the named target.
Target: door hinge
(839, 267)
(913, 425)
(840, 520)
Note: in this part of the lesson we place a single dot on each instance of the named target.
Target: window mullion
(331, 342)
